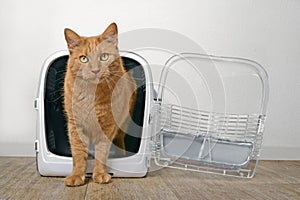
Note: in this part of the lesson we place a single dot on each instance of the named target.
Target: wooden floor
(274, 180)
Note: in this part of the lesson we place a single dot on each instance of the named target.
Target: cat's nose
(95, 71)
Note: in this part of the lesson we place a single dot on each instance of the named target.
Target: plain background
(267, 31)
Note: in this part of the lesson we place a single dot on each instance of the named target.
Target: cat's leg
(79, 147)
(120, 142)
(101, 155)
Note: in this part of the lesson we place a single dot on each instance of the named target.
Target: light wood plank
(19, 179)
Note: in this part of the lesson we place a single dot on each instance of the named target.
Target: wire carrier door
(209, 115)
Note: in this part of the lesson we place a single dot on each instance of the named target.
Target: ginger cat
(99, 96)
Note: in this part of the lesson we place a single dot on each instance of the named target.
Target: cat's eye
(104, 57)
(83, 59)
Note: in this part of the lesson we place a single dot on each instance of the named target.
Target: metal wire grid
(232, 127)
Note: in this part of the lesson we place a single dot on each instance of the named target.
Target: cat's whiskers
(124, 78)
(119, 73)
(55, 91)
(60, 78)
(59, 81)
(59, 71)
(56, 99)
(115, 84)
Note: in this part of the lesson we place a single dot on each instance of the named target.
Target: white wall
(267, 31)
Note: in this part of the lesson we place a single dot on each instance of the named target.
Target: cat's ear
(111, 34)
(72, 38)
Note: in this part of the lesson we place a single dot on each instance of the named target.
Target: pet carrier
(52, 145)
(208, 116)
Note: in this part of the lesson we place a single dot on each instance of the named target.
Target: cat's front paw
(101, 177)
(74, 180)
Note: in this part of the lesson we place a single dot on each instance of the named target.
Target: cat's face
(93, 58)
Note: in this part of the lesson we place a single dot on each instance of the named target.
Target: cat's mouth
(96, 78)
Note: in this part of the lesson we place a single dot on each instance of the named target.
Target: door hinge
(155, 147)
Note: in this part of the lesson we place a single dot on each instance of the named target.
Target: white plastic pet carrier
(208, 116)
